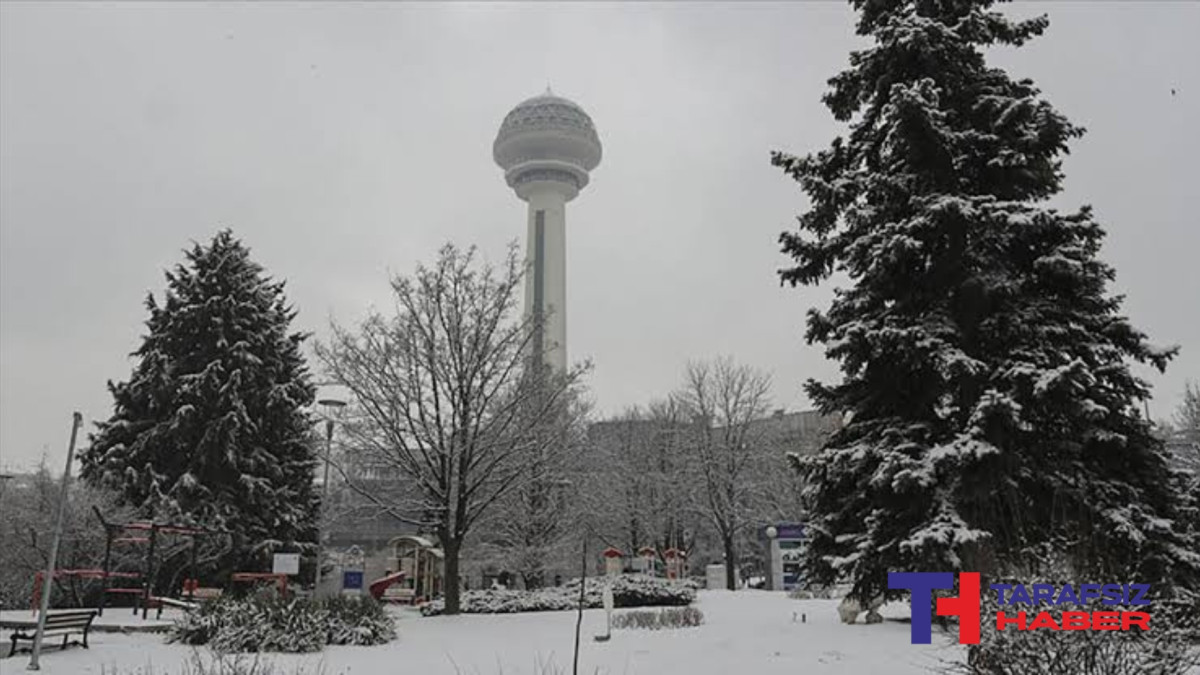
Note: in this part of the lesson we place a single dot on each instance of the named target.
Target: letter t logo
(921, 584)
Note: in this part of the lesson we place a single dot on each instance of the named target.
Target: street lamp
(330, 407)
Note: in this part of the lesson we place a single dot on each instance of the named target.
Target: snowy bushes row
(818, 593)
(671, 617)
(265, 622)
(216, 663)
(630, 590)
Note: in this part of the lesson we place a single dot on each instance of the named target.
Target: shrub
(219, 664)
(640, 618)
(635, 590)
(680, 617)
(200, 626)
(809, 591)
(629, 590)
(264, 622)
(672, 617)
(358, 621)
(268, 623)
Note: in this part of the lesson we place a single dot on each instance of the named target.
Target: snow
(745, 631)
(1160, 352)
(1051, 378)
(962, 447)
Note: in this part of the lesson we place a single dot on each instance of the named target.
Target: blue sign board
(352, 580)
(790, 531)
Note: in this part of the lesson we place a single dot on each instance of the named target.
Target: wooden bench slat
(61, 623)
(50, 633)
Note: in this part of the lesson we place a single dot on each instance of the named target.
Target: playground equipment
(280, 580)
(647, 559)
(118, 533)
(676, 563)
(421, 564)
(380, 587)
(613, 560)
(39, 578)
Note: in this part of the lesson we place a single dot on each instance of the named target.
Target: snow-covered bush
(216, 663)
(265, 622)
(629, 590)
(358, 621)
(817, 593)
(671, 617)
(200, 626)
(634, 590)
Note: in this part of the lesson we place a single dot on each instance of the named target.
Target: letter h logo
(965, 606)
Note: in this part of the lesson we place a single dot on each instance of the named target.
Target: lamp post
(330, 407)
(772, 561)
(48, 579)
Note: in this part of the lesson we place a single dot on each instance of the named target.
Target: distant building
(802, 431)
(357, 525)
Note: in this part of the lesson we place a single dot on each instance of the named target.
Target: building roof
(548, 112)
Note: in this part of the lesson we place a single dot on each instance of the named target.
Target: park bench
(158, 603)
(204, 593)
(61, 622)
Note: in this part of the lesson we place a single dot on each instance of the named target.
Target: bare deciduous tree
(444, 397)
(533, 528)
(27, 529)
(640, 478)
(725, 400)
(1187, 415)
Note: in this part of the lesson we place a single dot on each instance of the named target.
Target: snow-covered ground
(744, 632)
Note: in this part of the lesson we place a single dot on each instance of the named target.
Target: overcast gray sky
(344, 142)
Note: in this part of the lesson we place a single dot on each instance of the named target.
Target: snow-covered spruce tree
(984, 364)
(211, 426)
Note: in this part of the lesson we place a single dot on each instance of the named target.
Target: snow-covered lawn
(745, 632)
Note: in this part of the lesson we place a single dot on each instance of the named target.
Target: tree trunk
(450, 583)
(730, 563)
(534, 580)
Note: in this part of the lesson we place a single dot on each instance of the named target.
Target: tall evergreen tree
(985, 366)
(211, 427)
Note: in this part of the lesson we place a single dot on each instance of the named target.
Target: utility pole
(48, 580)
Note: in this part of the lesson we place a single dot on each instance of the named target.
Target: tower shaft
(546, 276)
